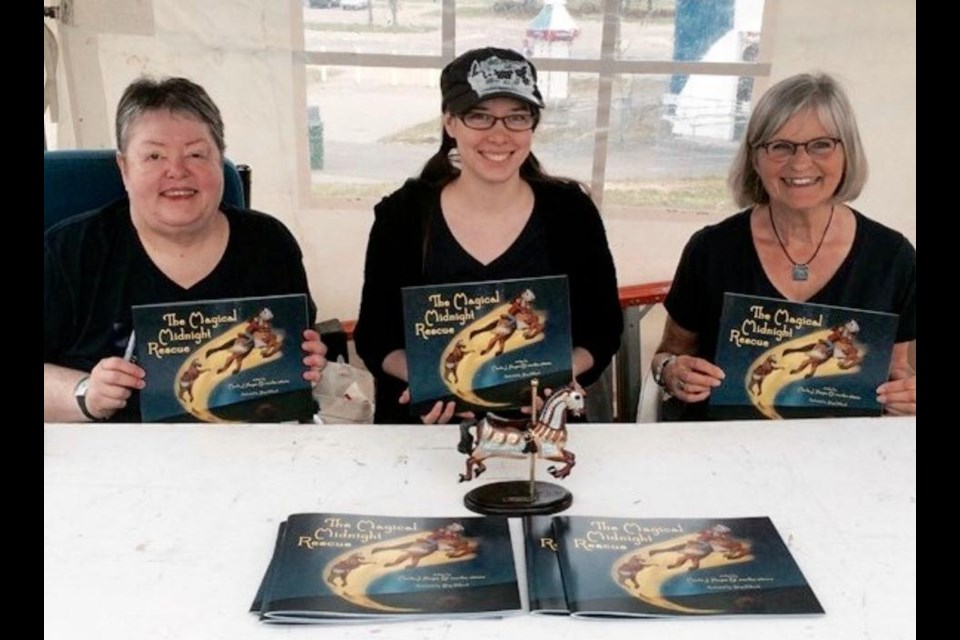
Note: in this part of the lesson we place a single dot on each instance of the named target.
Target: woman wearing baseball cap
(484, 209)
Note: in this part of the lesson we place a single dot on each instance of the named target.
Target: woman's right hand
(111, 383)
(441, 413)
(691, 379)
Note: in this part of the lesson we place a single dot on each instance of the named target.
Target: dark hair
(177, 95)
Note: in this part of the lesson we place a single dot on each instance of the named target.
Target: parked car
(321, 4)
(354, 4)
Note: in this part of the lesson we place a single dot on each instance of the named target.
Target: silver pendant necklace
(801, 270)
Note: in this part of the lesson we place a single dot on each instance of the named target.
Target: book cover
(234, 360)
(268, 575)
(340, 567)
(678, 567)
(544, 582)
(787, 359)
(481, 343)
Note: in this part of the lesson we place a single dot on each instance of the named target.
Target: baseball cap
(481, 74)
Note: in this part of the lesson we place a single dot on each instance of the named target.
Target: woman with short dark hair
(170, 240)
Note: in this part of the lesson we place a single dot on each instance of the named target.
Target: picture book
(268, 576)
(235, 360)
(614, 567)
(787, 359)
(481, 343)
(340, 568)
(544, 583)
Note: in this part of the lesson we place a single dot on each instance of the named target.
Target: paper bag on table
(345, 394)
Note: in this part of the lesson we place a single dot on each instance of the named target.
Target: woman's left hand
(440, 413)
(316, 358)
(899, 395)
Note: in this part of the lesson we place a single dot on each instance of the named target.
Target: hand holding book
(689, 378)
(108, 387)
(899, 395)
(316, 359)
(440, 413)
(229, 360)
(790, 359)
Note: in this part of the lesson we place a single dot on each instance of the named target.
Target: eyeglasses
(780, 150)
(513, 122)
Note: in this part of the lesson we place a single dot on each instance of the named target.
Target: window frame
(606, 68)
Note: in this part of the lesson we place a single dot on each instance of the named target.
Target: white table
(164, 531)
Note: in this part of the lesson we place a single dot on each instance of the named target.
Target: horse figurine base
(542, 437)
(513, 499)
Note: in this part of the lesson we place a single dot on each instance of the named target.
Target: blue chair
(80, 180)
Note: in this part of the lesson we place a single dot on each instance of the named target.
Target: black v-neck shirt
(95, 269)
(878, 274)
(448, 262)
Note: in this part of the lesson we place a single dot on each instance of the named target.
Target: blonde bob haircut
(802, 92)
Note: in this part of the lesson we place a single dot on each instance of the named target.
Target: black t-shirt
(447, 262)
(95, 269)
(879, 274)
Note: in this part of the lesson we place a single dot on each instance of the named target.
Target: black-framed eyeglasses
(482, 121)
(780, 150)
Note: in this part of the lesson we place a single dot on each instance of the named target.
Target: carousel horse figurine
(499, 437)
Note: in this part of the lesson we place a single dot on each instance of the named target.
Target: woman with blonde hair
(800, 163)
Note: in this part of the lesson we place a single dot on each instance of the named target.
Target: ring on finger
(681, 385)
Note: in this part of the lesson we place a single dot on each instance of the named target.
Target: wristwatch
(658, 372)
(80, 393)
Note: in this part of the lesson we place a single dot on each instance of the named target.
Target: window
(646, 99)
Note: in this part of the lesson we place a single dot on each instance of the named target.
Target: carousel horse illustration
(760, 373)
(722, 542)
(452, 361)
(448, 539)
(187, 378)
(716, 539)
(529, 323)
(838, 344)
(499, 437)
(258, 334)
(343, 568)
(520, 316)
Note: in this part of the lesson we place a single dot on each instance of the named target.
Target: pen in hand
(128, 353)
